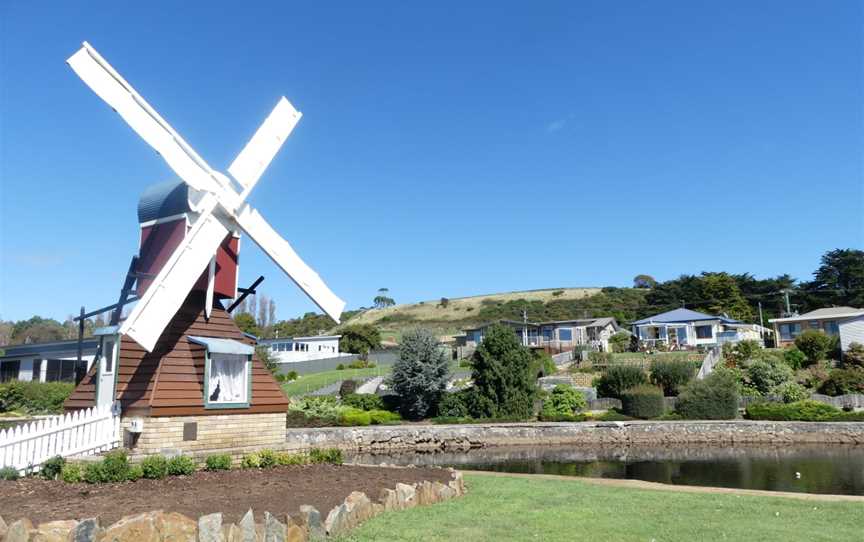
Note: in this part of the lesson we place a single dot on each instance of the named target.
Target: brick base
(234, 433)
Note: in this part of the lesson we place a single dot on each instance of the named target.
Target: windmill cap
(162, 200)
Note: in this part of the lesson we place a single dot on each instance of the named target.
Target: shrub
(362, 364)
(71, 473)
(766, 373)
(794, 358)
(326, 455)
(340, 367)
(250, 461)
(94, 473)
(350, 417)
(643, 401)
(813, 376)
(291, 375)
(620, 341)
(452, 405)
(563, 401)
(738, 353)
(854, 356)
(154, 467)
(671, 375)
(181, 465)
(814, 344)
(713, 398)
(504, 386)
(612, 416)
(136, 472)
(383, 417)
(618, 378)
(51, 469)
(218, 462)
(284, 459)
(791, 392)
(267, 459)
(9, 473)
(843, 381)
(599, 358)
(34, 397)
(363, 401)
(420, 374)
(320, 406)
(807, 411)
(115, 466)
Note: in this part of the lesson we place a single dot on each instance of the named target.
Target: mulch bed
(279, 491)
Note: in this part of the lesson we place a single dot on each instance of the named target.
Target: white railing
(714, 356)
(83, 432)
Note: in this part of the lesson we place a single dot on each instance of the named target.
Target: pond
(833, 469)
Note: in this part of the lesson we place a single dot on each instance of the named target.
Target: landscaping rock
(337, 520)
(232, 533)
(174, 527)
(53, 531)
(3, 528)
(425, 494)
(139, 528)
(310, 518)
(247, 527)
(274, 530)
(406, 495)
(442, 492)
(87, 530)
(210, 528)
(389, 499)
(458, 483)
(19, 531)
(296, 533)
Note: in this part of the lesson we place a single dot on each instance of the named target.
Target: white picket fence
(82, 432)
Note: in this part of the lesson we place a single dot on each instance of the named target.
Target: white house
(555, 336)
(295, 349)
(47, 362)
(851, 331)
(682, 329)
(827, 320)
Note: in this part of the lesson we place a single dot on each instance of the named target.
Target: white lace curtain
(228, 381)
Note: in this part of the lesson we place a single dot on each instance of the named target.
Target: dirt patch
(279, 491)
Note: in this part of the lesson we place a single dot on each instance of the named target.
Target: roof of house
(56, 347)
(682, 315)
(587, 322)
(819, 314)
(307, 338)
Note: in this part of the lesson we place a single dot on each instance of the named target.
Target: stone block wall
(231, 433)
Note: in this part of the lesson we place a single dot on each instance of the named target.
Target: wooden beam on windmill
(124, 292)
(245, 292)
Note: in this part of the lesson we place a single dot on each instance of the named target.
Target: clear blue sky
(445, 150)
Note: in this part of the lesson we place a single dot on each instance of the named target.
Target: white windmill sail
(221, 208)
(287, 259)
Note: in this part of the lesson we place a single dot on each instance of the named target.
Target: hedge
(644, 401)
(714, 398)
(34, 397)
(804, 411)
(618, 378)
(672, 375)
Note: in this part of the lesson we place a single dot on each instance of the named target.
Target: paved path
(640, 484)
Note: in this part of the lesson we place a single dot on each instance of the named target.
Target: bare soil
(279, 491)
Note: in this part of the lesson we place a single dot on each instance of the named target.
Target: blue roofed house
(685, 329)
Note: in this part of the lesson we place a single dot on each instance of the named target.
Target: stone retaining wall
(460, 437)
(309, 524)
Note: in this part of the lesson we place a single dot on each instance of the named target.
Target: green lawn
(507, 508)
(311, 382)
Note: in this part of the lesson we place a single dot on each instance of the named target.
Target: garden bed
(279, 490)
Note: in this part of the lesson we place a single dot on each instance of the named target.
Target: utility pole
(785, 293)
(524, 327)
(760, 322)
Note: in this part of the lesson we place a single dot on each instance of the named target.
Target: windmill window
(228, 381)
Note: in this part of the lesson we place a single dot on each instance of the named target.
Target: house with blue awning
(685, 329)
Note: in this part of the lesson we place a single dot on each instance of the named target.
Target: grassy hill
(451, 316)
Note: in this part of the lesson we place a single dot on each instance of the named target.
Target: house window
(565, 334)
(547, 333)
(9, 370)
(228, 379)
(832, 328)
(108, 356)
(788, 332)
(65, 370)
(704, 332)
(37, 370)
(814, 324)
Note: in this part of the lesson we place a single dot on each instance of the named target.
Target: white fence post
(83, 432)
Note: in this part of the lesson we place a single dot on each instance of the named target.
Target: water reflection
(803, 468)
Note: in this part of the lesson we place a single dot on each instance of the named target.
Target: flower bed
(221, 502)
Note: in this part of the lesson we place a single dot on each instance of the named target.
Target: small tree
(814, 344)
(360, 339)
(246, 323)
(644, 281)
(620, 341)
(504, 385)
(444, 302)
(420, 374)
(854, 356)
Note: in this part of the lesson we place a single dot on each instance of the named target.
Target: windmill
(218, 204)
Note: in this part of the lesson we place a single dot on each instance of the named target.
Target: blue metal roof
(223, 346)
(162, 200)
(46, 349)
(682, 315)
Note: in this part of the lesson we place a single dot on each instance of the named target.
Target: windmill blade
(176, 279)
(114, 90)
(284, 256)
(259, 152)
